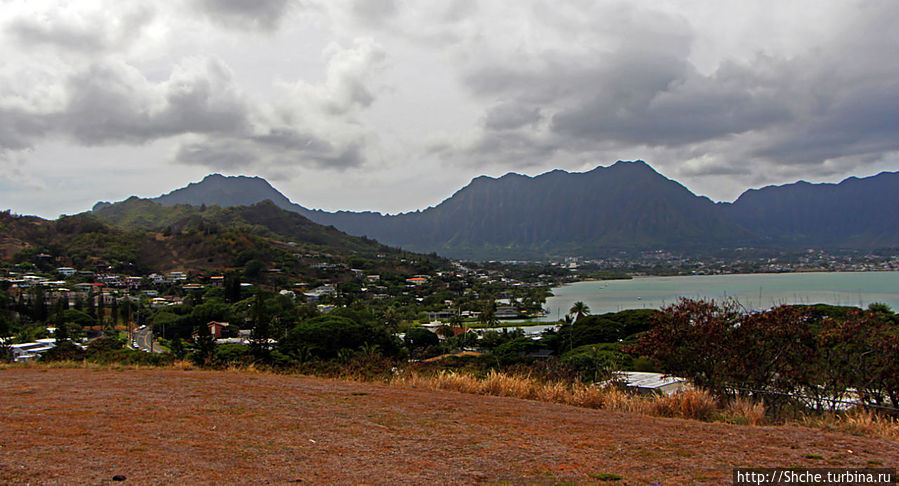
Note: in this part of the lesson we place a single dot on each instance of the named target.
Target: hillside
(856, 213)
(261, 218)
(139, 236)
(84, 426)
(82, 240)
(627, 206)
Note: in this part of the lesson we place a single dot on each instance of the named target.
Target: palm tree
(456, 320)
(568, 322)
(579, 309)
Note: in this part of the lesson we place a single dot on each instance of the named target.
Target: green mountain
(856, 213)
(263, 219)
(139, 236)
(624, 207)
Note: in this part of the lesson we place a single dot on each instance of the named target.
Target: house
(66, 271)
(373, 278)
(417, 280)
(83, 287)
(315, 294)
(652, 382)
(216, 329)
(31, 351)
(158, 302)
(445, 314)
(506, 312)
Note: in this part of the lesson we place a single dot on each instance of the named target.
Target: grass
(689, 404)
(693, 404)
(606, 476)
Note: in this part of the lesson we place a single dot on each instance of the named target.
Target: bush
(596, 362)
(323, 338)
(231, 353)
(64, 351)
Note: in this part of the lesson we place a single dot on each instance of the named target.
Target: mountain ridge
(626, 206)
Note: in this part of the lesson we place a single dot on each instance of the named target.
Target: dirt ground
(84, 426)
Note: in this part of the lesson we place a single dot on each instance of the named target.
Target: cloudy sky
(393, 105)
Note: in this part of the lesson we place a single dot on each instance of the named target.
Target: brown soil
(84, 426)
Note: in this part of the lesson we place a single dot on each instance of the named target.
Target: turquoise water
(753, 291)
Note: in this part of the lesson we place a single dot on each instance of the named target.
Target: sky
(393, 105)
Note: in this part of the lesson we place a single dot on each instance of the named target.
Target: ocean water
(753, 291)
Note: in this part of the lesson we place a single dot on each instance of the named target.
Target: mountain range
(627, 206)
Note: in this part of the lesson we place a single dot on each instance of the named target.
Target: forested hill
(627, 206)
(262, 218)
(139, 236)
(856, 213)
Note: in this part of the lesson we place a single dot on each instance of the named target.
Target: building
(218, 329)
(66, 271)
(653, 382)
(31, 351)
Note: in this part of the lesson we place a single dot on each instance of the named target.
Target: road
(144, 339)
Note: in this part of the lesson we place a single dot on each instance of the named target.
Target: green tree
(204, 352)
(579, 310)
(232, 286)
(323, 337)
(38, 304)
(261, 331)
(488, 315)
(418, 339)
(176, 346)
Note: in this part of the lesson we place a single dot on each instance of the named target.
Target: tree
(205, 346)
(232, 286)
(61, 333)
(488, 315)
(579, 309)
(38, 304)
(323, 337)
(692, 339)
(418, 339)
(261, 331)
(456, 320)
(176, 346)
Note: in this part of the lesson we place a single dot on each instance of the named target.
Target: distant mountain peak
(623, 206)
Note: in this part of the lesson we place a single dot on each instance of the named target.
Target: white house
(653, 382)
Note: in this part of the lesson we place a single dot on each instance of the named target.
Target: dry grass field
(170, 426)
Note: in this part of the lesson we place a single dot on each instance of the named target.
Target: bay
(753, 291)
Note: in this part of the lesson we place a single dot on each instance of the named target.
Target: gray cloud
(507, 116)
(18, 128)
(89, 33)
(665, 102)
(113, 103)
(279, 148)
(246, 14)
(835, 101)
(110, 103)
(374, 11)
